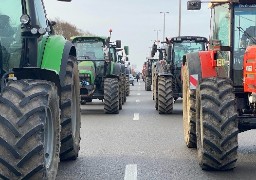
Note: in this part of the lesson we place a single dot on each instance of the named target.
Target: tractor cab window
(180, 49)
(220, 24)
(113, 56)
(40, 14)
(92, 50)
(245, 32)
(10, 34)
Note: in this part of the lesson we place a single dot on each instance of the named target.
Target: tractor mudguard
(56, 54)
(115, 69)
(123, 68)
(200, 65)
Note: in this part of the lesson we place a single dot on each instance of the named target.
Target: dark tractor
(99, 71)
(148, 73)
(167, 71)
(219, 84)
(39, 101)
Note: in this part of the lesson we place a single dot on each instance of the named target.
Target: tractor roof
(82, 38)
(213, 2)
(188, 38)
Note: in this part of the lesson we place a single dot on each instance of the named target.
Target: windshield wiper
(247, 34)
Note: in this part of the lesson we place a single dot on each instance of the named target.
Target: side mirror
(194, 5)
(126, 50)
(53, 23)
(118, 44)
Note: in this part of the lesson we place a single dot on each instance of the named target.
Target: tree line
(67, 29)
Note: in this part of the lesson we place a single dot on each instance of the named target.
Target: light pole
(164, 23)
(179, 17)
(157, 35)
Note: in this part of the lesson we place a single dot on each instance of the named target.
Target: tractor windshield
(182, 48)
(91, 50)
(10, 36)
(245, 32)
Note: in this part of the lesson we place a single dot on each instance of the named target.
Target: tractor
(167, 85)
(147, 72)
(99, 71)
(219, 85)
(39, 100)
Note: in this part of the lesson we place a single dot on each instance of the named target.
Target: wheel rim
(73, 110)
(49, 139)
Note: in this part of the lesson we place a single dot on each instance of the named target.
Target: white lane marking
(130, 172)
(138, 94)
(137, 101)
(136, 116)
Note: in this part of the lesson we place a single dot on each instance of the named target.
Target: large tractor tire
(124, 89)
(127, 86)
(111, 96)
(29, 130)
(148, 84)
(70, 113)
(120, 95)
(216, 126)
(165, 95)
(189, 111)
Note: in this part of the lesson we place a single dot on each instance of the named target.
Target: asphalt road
(138, 143)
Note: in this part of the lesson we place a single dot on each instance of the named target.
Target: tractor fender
(56, 54)
(200, 65)
(115, 69)
(123, 68)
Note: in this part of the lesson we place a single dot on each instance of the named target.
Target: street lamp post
(157, 35)
(179, 17)
(164, 24)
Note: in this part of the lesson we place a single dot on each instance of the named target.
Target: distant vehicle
(131, 79)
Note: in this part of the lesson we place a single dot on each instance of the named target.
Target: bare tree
(68, 30)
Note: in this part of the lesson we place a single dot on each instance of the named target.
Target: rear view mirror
(118, 44)
(126, 50)
(194, 5)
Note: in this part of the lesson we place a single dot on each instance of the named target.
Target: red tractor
(219, 85)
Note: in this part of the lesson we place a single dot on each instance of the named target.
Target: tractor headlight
(25, 19)
(42, 31)
(34, 31)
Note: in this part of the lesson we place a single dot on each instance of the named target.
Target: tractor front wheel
(29, 130)
(111, 96)
(216, 126)
(70, 113)
(165, 95)
(148, 84)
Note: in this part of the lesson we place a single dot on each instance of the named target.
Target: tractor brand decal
(193, 81)
(248, 68)
(220, 62)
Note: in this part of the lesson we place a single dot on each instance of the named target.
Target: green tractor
(100, 72)
(39, 101)
(167, 85)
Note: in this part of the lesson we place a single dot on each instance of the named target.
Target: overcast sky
(132, 21)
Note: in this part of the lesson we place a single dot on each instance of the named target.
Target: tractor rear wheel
(70, 113)
(165, 95)
(111, 96)
(127, 86)
(124, 88)
(216, 126)
(148, 84)
(189, 111)
(29, 130)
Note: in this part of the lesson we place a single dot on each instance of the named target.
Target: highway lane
(138, 143)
